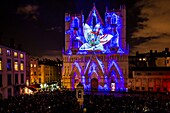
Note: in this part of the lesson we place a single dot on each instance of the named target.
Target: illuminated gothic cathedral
(95, 51)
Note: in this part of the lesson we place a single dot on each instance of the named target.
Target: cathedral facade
(95, 52)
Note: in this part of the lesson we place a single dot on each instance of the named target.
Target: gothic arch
(75, 74)
(76, 22)
(118, 78)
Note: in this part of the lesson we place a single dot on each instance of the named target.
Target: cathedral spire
(94, 15)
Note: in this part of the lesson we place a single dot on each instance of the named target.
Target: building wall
(34, 71)
(13, 73)
(163, 61)
(43, 72)
(150, 81)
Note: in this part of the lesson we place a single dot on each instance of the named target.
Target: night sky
(39, 24)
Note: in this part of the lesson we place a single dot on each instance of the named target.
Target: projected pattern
(92, 51)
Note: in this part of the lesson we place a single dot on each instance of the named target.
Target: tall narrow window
(0, 63)
(8, 64)
(22, 66)
(114, 19)
(9, 79)
(76, 23)
(0, 50)
(15, 54)
(22, 78)
(0, 80)
(16, 65)
(94, 21)
(9, 92)
(39, 80)
(21, 55)
(8, 53)
(16, 78)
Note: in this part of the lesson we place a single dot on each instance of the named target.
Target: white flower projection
(95, 39)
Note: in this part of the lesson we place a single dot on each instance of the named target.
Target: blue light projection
(94, 35)
(92, 38)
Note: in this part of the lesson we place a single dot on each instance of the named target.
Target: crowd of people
(66, 102)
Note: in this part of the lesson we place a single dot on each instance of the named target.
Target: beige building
(44, 71)
(12, 71)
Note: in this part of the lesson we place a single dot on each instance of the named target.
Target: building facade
(95, 51)
(45, 71)
(12, 71)
(150, 71)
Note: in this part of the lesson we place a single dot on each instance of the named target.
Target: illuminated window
(21, 66)
(0, 50)
(0, 64)
(16, 65)
(8, 53)
(15, 54)
(35, 65)
(31, 65)
(21, 55)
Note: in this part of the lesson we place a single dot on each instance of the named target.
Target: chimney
(150, 51)
(166, 49)
(137, 52)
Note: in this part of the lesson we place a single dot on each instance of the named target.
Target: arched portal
(75, 77)
(116, 77)
(94, 85)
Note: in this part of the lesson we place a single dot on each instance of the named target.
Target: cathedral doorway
(94, 85)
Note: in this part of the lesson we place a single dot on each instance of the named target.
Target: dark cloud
(29, 10)
(157, 24)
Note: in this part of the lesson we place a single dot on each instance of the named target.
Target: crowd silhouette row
(66, 102)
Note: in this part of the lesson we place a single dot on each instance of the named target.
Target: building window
(31, 65)
(16, 65)
(149, 73)
(8, 53)
(22, 66)
(15, 54)
(137, 88)
(9, 79)
(160, 73)
(0, 63)
(22, 78)
(138, 73)
(8, 64)
(9, 92)
(0, 50)
(35, 65)
(143, 88)
(0, 80)
(21, 55)
(16, 78)
(39, 80)
(165, 89)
